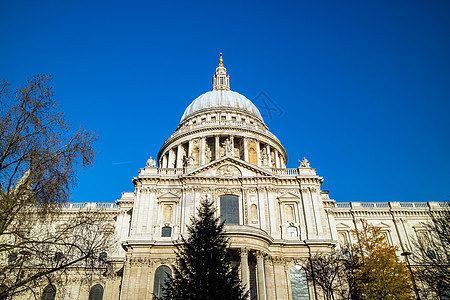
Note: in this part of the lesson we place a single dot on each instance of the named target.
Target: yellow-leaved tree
(379, 273)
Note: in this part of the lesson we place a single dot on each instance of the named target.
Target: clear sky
(361, 88)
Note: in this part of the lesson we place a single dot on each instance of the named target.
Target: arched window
(252, 155)
(299, 284)
(161, 274)
(229, 209)
(167, 213)
(253, 212)
(96, 292)
(49, 293)
(289, 213)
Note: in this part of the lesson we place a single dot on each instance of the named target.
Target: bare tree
(329, 271)
(432, 253)
(39, 158)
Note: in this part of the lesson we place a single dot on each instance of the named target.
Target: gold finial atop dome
(221, 80)
(220, 60)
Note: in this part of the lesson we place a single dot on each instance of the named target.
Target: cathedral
(275, 217)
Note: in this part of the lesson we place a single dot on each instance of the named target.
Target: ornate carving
(151, 163)
(188, 161)
(228, 171)
(243, 252)
(268, 259)
(278, 260)
(304, 163)
(228, 147)
(264, 160)
(260, 254)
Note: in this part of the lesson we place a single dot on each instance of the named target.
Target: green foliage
(203, 269)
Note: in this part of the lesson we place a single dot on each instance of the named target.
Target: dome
(222, 98)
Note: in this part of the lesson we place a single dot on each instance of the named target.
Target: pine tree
(203, 268)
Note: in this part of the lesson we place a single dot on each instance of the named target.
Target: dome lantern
(221, 81)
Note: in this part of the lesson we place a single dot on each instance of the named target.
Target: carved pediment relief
(228, 171)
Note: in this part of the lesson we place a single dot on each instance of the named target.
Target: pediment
(420, 226)
(168, 196)
(228, 167)
(342, 226)
(383, 225)
(289, 196)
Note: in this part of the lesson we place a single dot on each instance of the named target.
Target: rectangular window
(166, 231)
(229, 209)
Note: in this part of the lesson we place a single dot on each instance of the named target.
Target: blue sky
(361, 88)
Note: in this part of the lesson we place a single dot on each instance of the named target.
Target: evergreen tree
(203, 269)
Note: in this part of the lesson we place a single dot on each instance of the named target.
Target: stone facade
(223, 151)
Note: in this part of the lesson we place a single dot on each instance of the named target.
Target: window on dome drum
(223, 118)
(166, 231)
(233, 118)
(229, 209)
(161, 275)
(49, 293)
(213, 118)
(299, 283)
(96, 292)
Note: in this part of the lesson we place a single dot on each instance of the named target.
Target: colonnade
(194, 152)
(271, 276)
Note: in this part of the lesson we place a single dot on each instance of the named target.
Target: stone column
(217, 147)
(277, 159)
(190, 148)
(164, 161)
(232, 145)
(170, 162)
(270, 280)
(268, 155)
(179, 157)
(245, 149)
(203, 151)
(245, 272)
(260, 275)
(258, 155)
